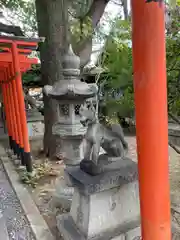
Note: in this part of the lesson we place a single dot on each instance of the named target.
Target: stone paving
(16, 222)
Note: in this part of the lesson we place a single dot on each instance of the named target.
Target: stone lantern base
(71, 149)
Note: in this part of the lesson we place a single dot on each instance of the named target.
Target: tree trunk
(125, 9)
(52, 17)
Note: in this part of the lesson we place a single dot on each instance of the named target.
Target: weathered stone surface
(63, 129)
(71, 149)
(105, 164)
(105, 211)
(69, 231)
(124, 174)
(110, 138)
(104, 206)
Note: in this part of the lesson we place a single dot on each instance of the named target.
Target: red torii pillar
(8, 82)
(151, 118)
(12, 63)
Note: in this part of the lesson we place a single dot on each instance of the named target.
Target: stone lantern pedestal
(69, 93)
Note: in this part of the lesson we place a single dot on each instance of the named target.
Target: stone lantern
(70, 93)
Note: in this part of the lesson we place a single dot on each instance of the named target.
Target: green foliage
(23, 12)
(81, 29)
(173, 62)
(40, 171)
(32, 77)
(117, 62)
(80, 22)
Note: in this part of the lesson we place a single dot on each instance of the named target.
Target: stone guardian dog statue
(111, 139)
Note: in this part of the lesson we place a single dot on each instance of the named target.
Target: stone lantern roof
(70, 87)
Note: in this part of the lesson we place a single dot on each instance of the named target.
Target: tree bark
(125, 9)
(52, 17)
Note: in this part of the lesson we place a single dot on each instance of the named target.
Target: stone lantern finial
(70, 87)
(71, 63)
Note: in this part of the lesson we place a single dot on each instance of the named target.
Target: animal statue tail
(117, 129)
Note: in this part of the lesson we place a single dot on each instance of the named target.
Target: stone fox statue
(111, 139)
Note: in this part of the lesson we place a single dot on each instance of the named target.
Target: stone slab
(88, 184)
(105, 164)
(107, 210)
(69, 230)
(105, 203)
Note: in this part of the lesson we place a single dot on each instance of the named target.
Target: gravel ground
(17, 224)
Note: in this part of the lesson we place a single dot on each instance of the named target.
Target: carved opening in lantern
(64, 110)
(77, 108)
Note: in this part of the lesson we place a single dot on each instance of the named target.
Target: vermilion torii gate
(149, 60)
(14, 59)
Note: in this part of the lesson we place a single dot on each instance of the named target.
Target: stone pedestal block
(104, 207)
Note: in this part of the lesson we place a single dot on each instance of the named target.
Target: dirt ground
(42, 194)
(174, 170)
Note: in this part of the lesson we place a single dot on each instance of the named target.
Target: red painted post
(20, 95)
(13, 113)
(151, 118)
(9, 112)
(8, 122)
(18, 118)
